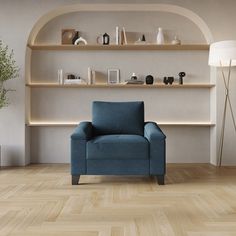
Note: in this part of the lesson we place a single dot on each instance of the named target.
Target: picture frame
(113, 76)
(67, 36)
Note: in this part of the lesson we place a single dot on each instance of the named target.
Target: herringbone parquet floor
(197, 200)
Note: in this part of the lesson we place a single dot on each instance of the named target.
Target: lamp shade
(222, 52)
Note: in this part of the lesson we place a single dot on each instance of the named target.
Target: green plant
(8, 70)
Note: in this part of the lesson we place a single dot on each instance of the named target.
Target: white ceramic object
(80, 40)
(117, 36)
(74, 81)
(160, 36)
(176, 41)
(89, 81)
(60, 76)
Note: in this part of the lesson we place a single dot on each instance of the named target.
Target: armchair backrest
(118, 118)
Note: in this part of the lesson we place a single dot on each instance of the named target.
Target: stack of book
(74, 81)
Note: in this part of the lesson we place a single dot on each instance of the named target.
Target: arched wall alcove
(121, 7)
(116, 8)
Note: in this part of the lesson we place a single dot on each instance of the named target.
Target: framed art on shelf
(113, 76)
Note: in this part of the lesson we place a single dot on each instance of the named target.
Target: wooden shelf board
(122, 47)
(74, 123)
(54, 85)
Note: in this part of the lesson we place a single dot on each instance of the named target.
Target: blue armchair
(118, 142)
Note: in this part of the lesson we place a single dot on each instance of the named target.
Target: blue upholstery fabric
(157, 142)
(82, 133)
(118, 146)
(118, 118)
(118, 167)
(125, 144)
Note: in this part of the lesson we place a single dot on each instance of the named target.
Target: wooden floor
(196, 200)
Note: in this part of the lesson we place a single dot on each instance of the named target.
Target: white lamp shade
(222, 52)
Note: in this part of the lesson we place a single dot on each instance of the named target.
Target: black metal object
(160, 179)
(149, 79)
(105, 39)
(168, 80)
(181, 76)
(143, 38)
(75, 179)
(75, 37)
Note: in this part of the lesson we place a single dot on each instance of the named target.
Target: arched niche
(47, 21)
(121, 8)
(117, 8)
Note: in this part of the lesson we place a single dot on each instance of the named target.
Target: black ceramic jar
(149, 79)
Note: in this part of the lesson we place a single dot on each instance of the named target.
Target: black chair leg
(160, 179)
(75, 179)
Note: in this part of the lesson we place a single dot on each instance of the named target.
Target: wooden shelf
(75, 123)
(54, 85)
(121, 47)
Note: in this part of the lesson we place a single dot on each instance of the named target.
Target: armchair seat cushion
(116, 147)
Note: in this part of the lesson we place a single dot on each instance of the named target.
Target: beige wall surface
(17, 18)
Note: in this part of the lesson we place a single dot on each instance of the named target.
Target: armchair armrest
(153, 132)
(157, 148)
(83, 131)
(79, 138)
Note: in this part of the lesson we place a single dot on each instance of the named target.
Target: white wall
(16, 21)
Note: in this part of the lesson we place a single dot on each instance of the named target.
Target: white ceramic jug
(160, 36)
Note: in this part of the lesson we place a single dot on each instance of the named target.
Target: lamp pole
(227, 100)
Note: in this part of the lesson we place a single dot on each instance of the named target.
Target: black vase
(149, 79)
(75, 37)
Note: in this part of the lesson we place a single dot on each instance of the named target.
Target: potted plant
(8, 70)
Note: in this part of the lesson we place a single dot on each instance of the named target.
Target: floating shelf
(54, 85)
(74, 123)
(121, 47)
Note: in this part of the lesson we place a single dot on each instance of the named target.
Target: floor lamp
(223, 55)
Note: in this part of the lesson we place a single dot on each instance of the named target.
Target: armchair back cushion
(118, 118)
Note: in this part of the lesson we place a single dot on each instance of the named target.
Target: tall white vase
(160, 36)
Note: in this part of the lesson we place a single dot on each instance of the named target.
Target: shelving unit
(75, 123)
(125, 86)
(54, 110)
(183, 47)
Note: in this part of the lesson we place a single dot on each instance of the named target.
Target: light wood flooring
(197, 200)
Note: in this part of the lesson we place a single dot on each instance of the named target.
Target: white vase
(160, 36)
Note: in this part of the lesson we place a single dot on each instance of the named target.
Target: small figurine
(71, 77)
(80, 40)
(143, 38)
(168, 80)
(181, 76)
(134, 80)
(134, 77)
(176, 41)
(75, 37)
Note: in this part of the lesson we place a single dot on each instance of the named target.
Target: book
(124, 36)
(117, 36)
(74, 81)
(89, 76)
